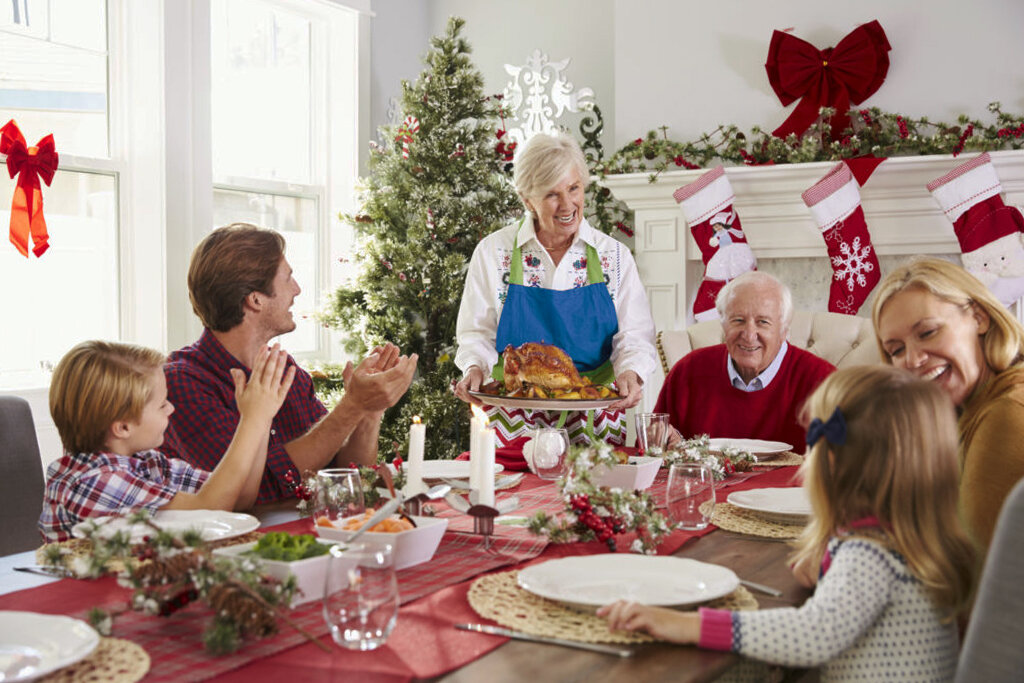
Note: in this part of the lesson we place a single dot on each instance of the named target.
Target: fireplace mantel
(902, 217)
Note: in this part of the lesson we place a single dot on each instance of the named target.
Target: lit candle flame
(478, 412)
(415, 419)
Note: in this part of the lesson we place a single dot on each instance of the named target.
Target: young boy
(109, 402)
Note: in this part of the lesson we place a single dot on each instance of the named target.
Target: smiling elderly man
(752, 386)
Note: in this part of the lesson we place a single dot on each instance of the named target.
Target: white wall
(947, 58)
(499, 33)
(692, 65)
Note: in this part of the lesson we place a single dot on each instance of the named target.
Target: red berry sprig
(603, 527)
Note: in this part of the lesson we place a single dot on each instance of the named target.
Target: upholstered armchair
(843, 340)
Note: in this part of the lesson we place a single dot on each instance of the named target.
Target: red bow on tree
(32, 163)
(834, 77)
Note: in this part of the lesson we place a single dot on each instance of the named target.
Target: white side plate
(594, 580)
(788, 505)
(32, 645)
(213, 525)
(761, 450)
(450, 469)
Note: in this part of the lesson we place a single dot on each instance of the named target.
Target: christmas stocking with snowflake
(988, 231)
(834, 202)
(707, 205)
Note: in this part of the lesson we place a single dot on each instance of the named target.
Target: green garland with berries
(598, 513)
(872, 132)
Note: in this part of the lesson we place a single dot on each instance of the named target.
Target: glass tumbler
(339, 494)
(691, 485)
(651, 432)
(360, 601)
(547, 448)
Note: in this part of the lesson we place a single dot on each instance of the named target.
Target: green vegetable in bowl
(282, 546)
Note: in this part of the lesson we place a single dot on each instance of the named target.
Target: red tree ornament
(32, 163)
(835, 77)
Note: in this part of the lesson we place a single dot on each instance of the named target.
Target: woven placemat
(784, 460)
(498, 597)
(731, 518)
(74, 548)
(114, 660)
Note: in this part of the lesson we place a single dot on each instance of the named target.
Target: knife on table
(44, 570)
(519, 635)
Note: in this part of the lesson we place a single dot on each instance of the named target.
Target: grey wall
(693, 64)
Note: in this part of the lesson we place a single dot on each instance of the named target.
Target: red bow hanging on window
(834, 77)
(32, 163)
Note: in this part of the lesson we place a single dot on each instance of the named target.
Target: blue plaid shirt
(205, 416)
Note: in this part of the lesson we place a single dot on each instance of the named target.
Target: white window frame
(188, 164)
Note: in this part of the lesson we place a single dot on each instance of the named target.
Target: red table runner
(424, 644)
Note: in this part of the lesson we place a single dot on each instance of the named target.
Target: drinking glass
(546, 451)
(651, 432)
(690, 485)
(339, 494)
(361, 595)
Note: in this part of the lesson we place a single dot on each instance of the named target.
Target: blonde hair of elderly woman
(1003, 342)
(898, 464)
(544, 160)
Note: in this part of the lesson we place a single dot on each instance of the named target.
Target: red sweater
(700, 399)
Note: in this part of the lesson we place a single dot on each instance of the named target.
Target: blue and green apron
(580, 321)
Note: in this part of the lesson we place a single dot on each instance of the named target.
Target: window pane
(296, 219)
(53, 72)
(260, 91)
(70, 293)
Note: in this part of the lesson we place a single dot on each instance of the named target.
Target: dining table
(425, 645)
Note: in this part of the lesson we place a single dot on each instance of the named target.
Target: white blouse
(487, 287)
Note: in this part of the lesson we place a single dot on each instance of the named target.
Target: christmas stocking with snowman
(834, 202)
(707, 205)
(989, 232)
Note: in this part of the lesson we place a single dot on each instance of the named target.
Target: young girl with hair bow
(896, 566)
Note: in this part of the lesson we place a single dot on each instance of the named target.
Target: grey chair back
(993, 649)
(21, 477)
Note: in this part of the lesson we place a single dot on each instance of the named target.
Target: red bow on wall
(834, 77)
(32, 163)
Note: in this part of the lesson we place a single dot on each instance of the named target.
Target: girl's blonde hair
(96, 384)
(543, 162)
(899, 464)
(1003, 342)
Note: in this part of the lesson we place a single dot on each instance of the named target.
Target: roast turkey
(542, 366)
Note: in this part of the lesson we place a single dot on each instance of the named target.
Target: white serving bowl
(637, 475)
(310, 573)
(411, 547)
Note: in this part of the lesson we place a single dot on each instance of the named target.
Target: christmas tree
(429, 199)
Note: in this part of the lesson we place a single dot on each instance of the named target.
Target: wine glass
(547, 451)
(690, 495)
(360, 603)
(338, 494)
(651, 432)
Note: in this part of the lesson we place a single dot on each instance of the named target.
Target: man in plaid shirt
(242, 289)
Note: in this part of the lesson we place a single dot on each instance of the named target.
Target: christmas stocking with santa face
(989, 232)
(707, 205)
(834, 202)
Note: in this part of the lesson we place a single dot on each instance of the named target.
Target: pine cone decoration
(252, 615)
(168, 569)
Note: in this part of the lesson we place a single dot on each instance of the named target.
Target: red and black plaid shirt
(205, 415)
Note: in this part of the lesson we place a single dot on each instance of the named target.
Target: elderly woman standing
(553, 278)
(938, 321)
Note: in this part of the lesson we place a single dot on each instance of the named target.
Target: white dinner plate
(761, 450)
(213, 525)
(32, 645)
(543, 403)
(788, 505)
(593, 580)
(450, 469)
